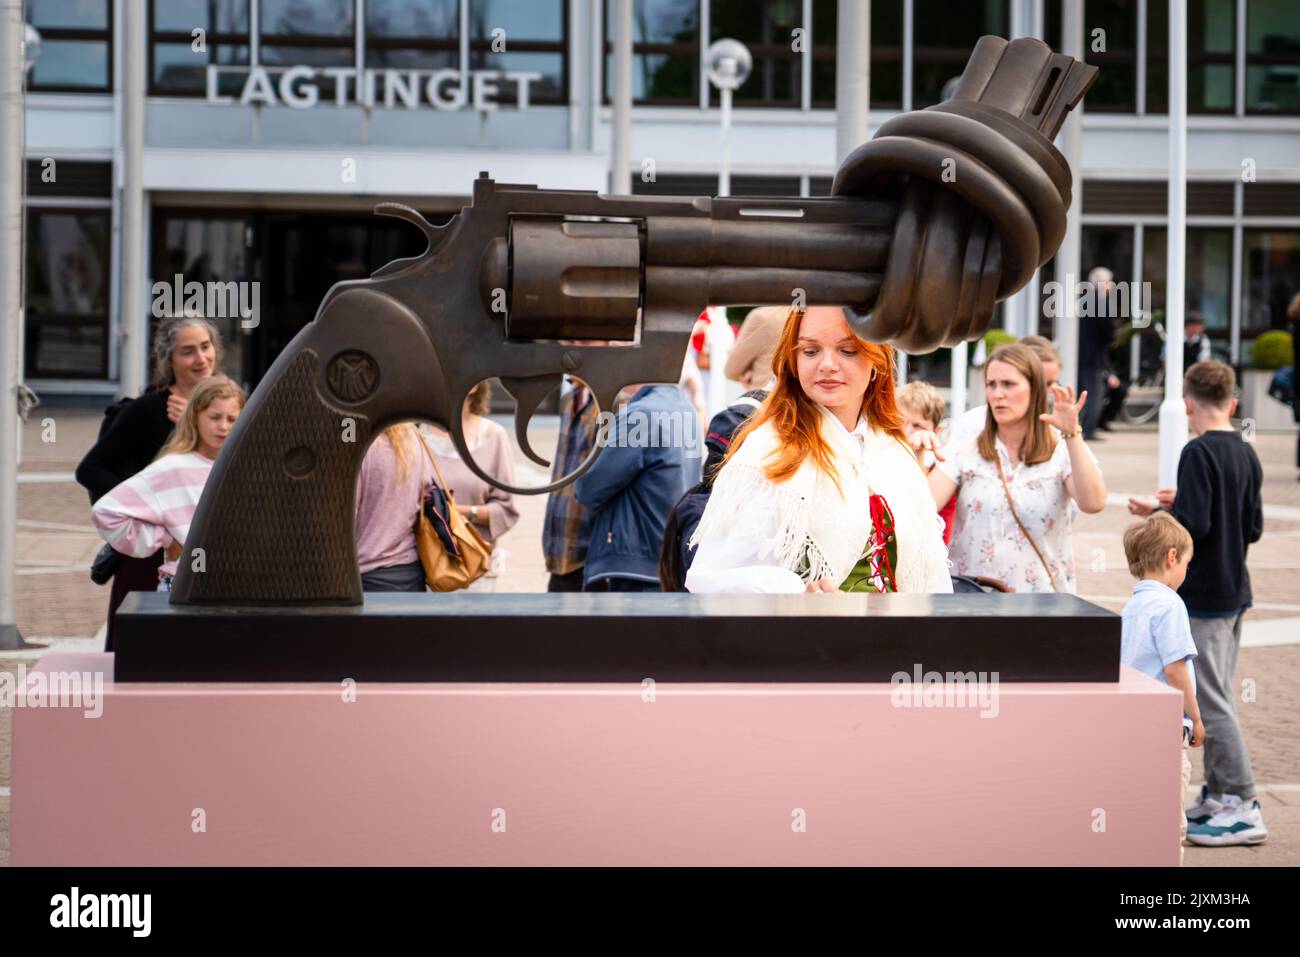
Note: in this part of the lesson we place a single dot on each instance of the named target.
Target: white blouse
(754, 531)
(987, 541)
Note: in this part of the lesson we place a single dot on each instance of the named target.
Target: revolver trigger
(528, 394)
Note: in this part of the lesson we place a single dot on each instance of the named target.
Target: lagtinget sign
(447, 89)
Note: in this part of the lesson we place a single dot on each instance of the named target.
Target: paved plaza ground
(59, 607)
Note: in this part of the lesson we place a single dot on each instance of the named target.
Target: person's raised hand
(1165, 496)
(1066, 412)
(1142, 507)
(176, 406)
(923, 440)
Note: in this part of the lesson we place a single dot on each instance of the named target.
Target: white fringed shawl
(806, 526)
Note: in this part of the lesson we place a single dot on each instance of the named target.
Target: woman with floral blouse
(1018, 483)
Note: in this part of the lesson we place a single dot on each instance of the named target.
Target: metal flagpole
(12, 69)
(620, 163)
(1173, 415)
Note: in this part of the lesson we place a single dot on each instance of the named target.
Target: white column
(852, 69)
(724, 164)
(1173, 416)
(1135, 343)
(620, 161)
(805, 60)
(597, 78)
(1236, 283)
(1068, 256)
(908, 17)
(11, 279)
(960, 364)
(134, 321)
(1016, 309)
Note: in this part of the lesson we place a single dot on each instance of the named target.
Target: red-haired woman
(820, 490)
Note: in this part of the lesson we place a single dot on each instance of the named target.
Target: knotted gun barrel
(984, 193)
(944, 212)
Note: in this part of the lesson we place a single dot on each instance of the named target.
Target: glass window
(944, 34)
(214, 16)
(1272, 56)
(1108, 246)
(665, 51)
(317, 33)
(886, 80)
(1208, 281)
(71, 63)
(534, 39)
(412, 19)
(68, 14)
(1211, 56)
(413, 34)
(1271, 268)
(767, 28)
(314, 18)
(549, 89)
(536, 20)
(76, 48)
(176, 68)
(1116, 88)
(67, 293)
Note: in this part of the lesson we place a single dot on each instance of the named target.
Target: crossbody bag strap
(424, 444)
(997, 460)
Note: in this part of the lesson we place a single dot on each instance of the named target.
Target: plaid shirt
(568, 523)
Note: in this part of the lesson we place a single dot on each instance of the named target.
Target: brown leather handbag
(453, 553)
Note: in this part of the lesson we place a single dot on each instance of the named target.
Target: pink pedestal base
(578, 774)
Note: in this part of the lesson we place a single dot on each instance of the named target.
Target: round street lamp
(31, 47)
(729, 64)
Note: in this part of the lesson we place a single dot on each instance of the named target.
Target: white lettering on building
(446, 90)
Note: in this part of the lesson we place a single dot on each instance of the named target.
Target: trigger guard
(459, 440)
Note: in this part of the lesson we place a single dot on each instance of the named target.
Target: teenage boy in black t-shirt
(1218, 502)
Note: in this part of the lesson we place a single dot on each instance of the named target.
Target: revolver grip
(276, 523)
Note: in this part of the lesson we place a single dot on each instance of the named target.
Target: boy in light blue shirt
(1157, 634)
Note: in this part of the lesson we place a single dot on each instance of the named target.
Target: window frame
(213, 39)
(560, 46)
(1249, 59)
(692, 52)
(104, 320)
(82, 34)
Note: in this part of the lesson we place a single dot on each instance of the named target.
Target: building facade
(272, 127)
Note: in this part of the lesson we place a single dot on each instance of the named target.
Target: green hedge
(1273, 350)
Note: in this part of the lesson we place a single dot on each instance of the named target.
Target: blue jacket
(652, 454)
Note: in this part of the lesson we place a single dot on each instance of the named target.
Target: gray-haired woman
(186, 350)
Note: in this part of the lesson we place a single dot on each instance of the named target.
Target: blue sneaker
(1237, 823)
(1203, 808)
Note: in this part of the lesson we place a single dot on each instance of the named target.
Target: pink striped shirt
(154, 507)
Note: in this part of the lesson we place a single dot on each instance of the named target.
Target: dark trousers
(1092, 381)
(621, 584)
(133, 574)
(394, 578)
(570, 582)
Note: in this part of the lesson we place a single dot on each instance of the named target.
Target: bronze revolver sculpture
(945, 211)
